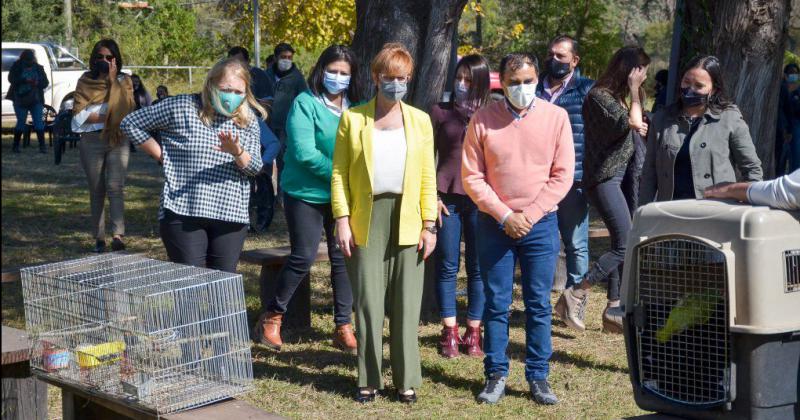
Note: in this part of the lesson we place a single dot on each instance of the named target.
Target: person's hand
(442, 209)
(517, 225)
(344, 236)
(636, 77)
(112, 70)
(721, 190)
(642, 130)
(229, 143)
(427, 242)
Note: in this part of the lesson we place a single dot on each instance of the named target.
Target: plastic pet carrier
(711, 295)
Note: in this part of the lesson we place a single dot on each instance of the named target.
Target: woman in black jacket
(614, 151)
(27, 81)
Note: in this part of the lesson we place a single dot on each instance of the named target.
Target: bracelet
(240, 153)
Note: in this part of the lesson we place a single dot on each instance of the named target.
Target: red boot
(448, 346)
(472, 342)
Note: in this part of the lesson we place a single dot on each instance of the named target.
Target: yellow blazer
(351, 183)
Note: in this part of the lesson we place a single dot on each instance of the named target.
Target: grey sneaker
(571, 307)
(494, 390)
(612, 320)
(542, 393)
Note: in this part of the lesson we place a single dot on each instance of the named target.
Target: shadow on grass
(305, 367)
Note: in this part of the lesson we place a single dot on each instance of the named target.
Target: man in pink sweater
(518, 163)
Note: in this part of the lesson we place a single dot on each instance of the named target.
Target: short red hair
(393, 60)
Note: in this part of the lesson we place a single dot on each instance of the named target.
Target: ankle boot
(472, 342)
(448, 346)
(40, 137)
(268, 330)
(344, 339)
(17, 137)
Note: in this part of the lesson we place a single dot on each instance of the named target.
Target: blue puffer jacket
(572, 101)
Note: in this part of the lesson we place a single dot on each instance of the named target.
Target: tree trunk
(425, 27)
(749, 38)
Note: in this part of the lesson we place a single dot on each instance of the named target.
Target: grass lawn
(45, 217)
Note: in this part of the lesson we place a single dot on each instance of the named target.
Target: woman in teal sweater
(306, 183)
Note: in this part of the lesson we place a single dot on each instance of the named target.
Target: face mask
(101, 66)
(793, 78)
(557, 69)
(690, 98)
(394, 91)
(335, 83)
(284, 64)
(521, 95)
(462, 92)
(226, 103)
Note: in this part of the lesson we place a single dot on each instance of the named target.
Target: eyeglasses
(106, 57)
(388, 79)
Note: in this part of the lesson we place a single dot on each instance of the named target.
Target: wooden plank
(229, 409)
(15, 346)
(598, 233)
(10, 275)
(23, 396)
(277, 255)
(73, 404)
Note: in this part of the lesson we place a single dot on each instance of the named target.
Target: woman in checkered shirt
(209, 148)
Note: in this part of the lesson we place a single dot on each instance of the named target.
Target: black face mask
(557, 69)
(690, 98)
(101, 66)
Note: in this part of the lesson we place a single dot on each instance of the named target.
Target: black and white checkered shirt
(199, 181)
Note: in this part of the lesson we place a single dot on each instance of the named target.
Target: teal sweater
(310, 137)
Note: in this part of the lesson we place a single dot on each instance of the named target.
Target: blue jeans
(36, 111)
(463, 213)
(573, 223)
(537, 253)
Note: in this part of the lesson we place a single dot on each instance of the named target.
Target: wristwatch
(431, 229)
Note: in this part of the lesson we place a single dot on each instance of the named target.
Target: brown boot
(448, 346)
(344, 339)
(268, 330)
(472, 342)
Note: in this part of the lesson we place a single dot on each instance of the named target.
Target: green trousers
(387, 279)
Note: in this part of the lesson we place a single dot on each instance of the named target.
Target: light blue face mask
(793, 78)
(335, 83)
(226, 103)
(462, 91)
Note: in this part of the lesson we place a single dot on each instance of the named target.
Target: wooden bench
(271, 261)
(24, 396)
(79, 403)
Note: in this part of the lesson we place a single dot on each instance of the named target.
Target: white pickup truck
(62, 68)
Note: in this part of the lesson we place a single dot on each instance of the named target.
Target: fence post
(190, 77)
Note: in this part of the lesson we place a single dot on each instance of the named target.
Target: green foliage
(530, 25)
(309, 26)
(789, 57)
(31, 20)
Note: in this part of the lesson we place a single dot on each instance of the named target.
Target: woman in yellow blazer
(383, 194)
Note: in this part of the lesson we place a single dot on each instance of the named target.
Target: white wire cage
(164, 336)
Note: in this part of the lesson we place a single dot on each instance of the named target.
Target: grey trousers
(105, 168)
(387, 279)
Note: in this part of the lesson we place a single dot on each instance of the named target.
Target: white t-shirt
(79, 124)
(388, 160)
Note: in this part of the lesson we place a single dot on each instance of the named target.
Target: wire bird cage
(163, 336)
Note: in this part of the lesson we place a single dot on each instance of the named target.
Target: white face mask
(521, 95)
(284, 64)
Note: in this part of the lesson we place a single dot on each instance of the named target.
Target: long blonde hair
(244, 114)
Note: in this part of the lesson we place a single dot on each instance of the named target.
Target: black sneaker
(100, 246)
(542, 393)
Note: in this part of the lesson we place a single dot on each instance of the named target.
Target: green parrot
(693, 309)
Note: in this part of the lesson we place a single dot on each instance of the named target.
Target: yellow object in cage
(100, 354)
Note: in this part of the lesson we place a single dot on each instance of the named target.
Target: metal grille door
(683, 344)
